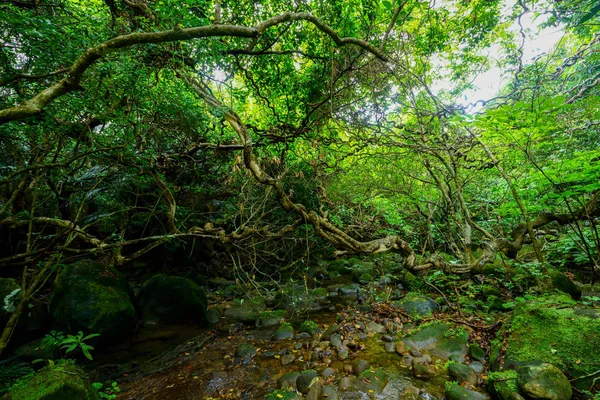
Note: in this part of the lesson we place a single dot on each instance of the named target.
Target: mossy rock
(9, 296)
(409, 281)
(417, 305)
(296, 299)
(60, 382)
(285, 331)
(544, 381)
(440, 340)
(554, 329)
(562, 282)
(320, 293)
(497, 269)
(366, 278)
(171, 299)
(93, 298)
(267, 319)
(374, 380)
(503, 385)
(304, 380)
(246, 310)
(456, 392)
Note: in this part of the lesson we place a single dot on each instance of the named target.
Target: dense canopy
(258, 137)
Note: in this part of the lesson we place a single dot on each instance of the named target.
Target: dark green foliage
(171, 299)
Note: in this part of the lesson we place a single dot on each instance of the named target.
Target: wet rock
(417, 306)
(433, 339)
(285, 331)
(303, 335)
(266, 319)
(343, 354)
(304, 380)
(327, 372)
(462, 373)
(407, 360)
(336, 340)
(315, 390)
(212, 316)
(349, 289)
(410, 393)
(347, 383)
(171, 299)
(36, 350)
(456, 392)
(476, 352)
(246, 310)
(415, 352)
(544, 381)
(389, 347)
(244, 353)
(400, 347)
(65, 381)
(329, 393)
(424, 359)
(288, 359)
(94, 298)
(320, 293)
(372, 381)
(298, 345)
(387, 338)
(288, 380)
(423, 371)
(476, 366)
(375, 327)
(359, 366)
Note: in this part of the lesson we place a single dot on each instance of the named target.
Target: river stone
(544, 381)
(389, 347)
(417, 306)
(246, 310)
(93, 298)
(315, 390)
(288, 380)
(373, 326)
(171, 299)
(9, 296)
(268, 319)
(372, 381)
(462, 373)
(304, 380)
(561, 282)
(349, 289)
(244, 353)
(476, 352)
(423, 371)
(329, 393)
(400, 347)
(432, 339)
(476, 366)
(359, 366)
(212, 316)
(456, 392)
(336, 340)
(285, 331)
(64, 381)
(288, 359)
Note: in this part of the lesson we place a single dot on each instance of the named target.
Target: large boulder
(171, 299)
(93, 298)
(440, 340)
(553, 329)
(544, 381)
(59, 382)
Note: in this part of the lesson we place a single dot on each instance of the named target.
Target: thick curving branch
(323, 227)
(35, 105)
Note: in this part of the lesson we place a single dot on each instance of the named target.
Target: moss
(549, 330)
(93, 298)
(270, 318)
(281, 394)
(508, 377)
(320, 293)
(309, 326)
(59, 382)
